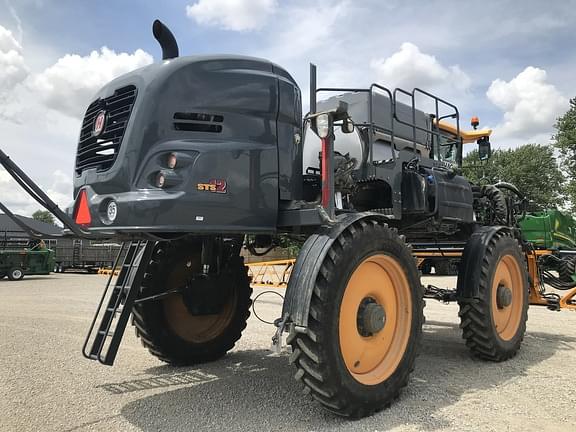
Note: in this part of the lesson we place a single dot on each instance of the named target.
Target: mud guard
(303, 277)
(466, 288)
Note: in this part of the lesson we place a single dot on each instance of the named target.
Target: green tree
(565, 142)
(43, 216)
(532, 168)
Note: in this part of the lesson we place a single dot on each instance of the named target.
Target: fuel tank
(192, 144)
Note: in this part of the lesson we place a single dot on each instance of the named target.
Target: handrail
(433, 132)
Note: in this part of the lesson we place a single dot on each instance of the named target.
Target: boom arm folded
(44, 200)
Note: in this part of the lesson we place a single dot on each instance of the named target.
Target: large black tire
(324, 356)
(493, 329)
(168, 329)
(15, 274)
(567, 268)
(498, 203)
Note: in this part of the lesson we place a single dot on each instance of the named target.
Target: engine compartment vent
(198, 122)
(99, 144)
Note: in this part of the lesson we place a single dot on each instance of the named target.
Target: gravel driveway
(46, 384)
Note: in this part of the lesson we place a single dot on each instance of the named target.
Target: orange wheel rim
(193, 328)
(199, 328)
(507, 313)
(371, 359)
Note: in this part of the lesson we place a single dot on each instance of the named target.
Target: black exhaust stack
(313, 85)
(166, 40)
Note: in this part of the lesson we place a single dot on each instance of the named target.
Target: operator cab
(450, 136)
(444, 148)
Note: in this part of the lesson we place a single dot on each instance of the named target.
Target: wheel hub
(371, 317)
(503, 296)
(207, 295)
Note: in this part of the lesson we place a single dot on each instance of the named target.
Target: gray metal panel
(289, 140)
(245, 92)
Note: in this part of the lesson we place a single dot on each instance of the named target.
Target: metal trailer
(70, 253)
(83, 254)
(20, 257)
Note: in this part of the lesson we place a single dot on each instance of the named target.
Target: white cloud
(530, 104)
(7, 41)
(60, 191)
(299, 33)
(410, 67)
(237, 15)
(298, 38)
(71, 82)
(40, 112)
(13, 69)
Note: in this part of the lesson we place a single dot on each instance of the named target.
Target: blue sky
(510, 62)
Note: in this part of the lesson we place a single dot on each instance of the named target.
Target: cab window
(445, 147)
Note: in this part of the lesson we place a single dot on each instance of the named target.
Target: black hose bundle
(565, 269)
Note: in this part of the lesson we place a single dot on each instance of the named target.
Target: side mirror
(484, 149)
(347, 125)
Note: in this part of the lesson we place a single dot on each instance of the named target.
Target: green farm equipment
(35, 259)
(552, 235)
(549, 229)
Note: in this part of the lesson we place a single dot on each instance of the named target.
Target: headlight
(323, 125)
(171, 162)
(160, 180)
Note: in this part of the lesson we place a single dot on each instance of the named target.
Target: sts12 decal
(214, 185)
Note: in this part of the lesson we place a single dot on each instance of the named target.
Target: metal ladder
(119, 302)
(76, 246)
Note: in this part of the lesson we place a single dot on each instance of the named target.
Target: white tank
(343, 143)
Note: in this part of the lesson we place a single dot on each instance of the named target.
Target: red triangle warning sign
(83, 210)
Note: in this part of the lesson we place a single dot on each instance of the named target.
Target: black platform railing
(434, 134)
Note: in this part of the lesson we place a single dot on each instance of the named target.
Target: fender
(303, 277)
(466, 288)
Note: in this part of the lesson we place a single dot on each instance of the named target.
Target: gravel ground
(46, 384)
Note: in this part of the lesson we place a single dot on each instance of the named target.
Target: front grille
(100, 151)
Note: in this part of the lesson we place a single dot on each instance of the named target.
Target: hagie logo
(215, 185)
(99, 123)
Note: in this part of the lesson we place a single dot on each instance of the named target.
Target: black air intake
(198, 122)
(99, 150)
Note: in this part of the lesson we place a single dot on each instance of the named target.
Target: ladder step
(115, 310)
(105, 333)
(119, 288)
